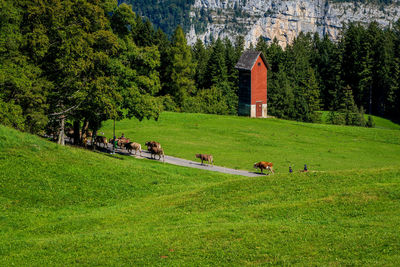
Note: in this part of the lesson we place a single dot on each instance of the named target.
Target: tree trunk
(77, 133)
(85, 130)
(61, 135)
(94, 138)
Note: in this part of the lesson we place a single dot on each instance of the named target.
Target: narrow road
(184, 162)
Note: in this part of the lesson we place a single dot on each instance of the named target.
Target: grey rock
(284, 20)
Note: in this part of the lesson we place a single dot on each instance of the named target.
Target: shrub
(168, 103)
(336, 118)
(11, 115)
(370, 123)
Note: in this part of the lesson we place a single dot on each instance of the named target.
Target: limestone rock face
(281, 19)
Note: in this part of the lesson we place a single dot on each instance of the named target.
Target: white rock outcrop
(282, 19)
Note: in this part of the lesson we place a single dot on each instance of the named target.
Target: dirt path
(185, 163)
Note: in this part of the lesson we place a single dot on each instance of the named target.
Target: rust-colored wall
(259, 82)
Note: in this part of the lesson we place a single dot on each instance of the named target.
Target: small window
(259, 64)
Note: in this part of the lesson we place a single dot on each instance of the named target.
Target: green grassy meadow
(64, 206)
(238, 142)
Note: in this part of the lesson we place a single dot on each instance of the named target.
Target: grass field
(380, 123)
(63, 206)
(238, 142)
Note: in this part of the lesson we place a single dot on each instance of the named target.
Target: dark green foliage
(11, 115)
(165, 14)
(327, 62)
(180, 69)
(216, 77)
(75, 60)
(360, 72)
(200, 57)
(370, 123)
(336, 118)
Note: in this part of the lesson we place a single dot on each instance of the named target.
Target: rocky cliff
(282, 19)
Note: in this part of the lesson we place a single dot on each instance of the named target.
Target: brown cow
(157, 151)
(134, 146)
(205, 157)
(100, 140)
(264, 165)
(120, 141)
(151, 144)
(69, 132)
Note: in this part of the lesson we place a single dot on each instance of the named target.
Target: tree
(200, 58)
(231, 58)
(217, 69)
(181, 69)
(24, 90)
(239, 46)
(135, 70)
(327, 62)
(280, 95)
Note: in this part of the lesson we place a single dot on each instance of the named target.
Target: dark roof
(248, 59)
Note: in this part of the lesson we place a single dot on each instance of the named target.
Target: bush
(370, 123)
(168, 103)
(336, 118)
(11, 115)
(211, 101)
(356, 119)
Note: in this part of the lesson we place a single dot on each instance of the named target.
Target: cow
(120, 141)
(69, 132)
(264, 165)
(157, 151)
(151, 144)
(85, 142)
(123, 141)
(133, 146)
(205, 157)
(100, 140)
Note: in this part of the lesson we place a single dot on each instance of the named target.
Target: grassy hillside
(238, 142)
(380, 123)
(64, 206)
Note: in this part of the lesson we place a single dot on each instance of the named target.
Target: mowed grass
(238, 142)
(63, 206)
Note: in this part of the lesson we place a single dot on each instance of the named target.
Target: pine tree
(280, 95)
(356, 61)
(327, 62)
(217, 69)
(181, 68)
(230, 60)
(200, 57)
(239, 46)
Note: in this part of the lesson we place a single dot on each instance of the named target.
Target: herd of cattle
(122, 142)
(154, 148)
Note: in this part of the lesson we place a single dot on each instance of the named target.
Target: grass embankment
(238, 142)
(63, 206)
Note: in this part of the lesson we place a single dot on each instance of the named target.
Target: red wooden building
(253, 68)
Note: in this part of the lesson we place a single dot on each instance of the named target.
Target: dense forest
(164, 14)
(83, 62)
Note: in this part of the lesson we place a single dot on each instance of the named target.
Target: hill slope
(238, 142)
(63, 206)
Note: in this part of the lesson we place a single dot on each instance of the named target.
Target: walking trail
(185, 162)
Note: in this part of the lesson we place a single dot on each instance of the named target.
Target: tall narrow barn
(252, 67)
